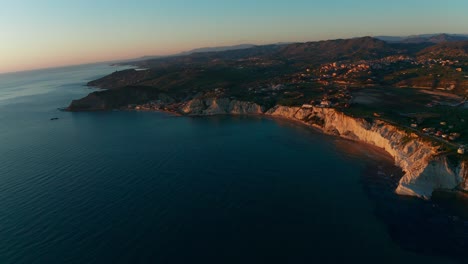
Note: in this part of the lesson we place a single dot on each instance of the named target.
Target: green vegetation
(413, 86)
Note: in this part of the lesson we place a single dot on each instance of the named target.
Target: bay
(147, 187)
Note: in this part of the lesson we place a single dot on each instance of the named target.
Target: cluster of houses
(345, 72)
(153, 105)
(440, 61)
(444, 135)
(335, 69)
(156, 105)
(332, 98)
(321, 104)
(441, 132)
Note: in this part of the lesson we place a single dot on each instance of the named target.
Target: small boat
(54, 118)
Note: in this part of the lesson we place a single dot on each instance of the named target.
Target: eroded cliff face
(425, 169)
(219, 106)
(464, 174)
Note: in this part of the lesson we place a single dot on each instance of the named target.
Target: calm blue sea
(141, 187)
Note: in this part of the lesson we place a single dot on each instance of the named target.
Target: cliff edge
(425, 168)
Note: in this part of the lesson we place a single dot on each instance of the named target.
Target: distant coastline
(351, 88)
(425, 169)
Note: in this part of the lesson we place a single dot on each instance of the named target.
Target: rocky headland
(406, 98)
(425, 167)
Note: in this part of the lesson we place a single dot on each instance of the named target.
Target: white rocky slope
(217, 106)
(425, 170)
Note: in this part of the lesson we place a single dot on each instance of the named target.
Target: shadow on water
(128, 187)
(438, 227)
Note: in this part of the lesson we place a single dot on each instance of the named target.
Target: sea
(151, 187)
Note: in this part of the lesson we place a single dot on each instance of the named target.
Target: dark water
(129, 187)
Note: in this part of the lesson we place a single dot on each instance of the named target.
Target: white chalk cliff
(214, 106)
(425, 169)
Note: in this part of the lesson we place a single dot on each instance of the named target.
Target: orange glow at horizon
(14, 62)
(42, 34)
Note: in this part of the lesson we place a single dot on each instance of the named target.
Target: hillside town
(420, 89)
(396, 69)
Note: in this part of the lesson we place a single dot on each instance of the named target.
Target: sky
(49, 33)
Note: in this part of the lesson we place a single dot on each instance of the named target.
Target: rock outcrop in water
(425, 168)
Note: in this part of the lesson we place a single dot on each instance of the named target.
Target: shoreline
(315, 128)
(381, 154)
(425, 168)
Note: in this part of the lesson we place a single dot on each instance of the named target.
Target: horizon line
(123, 60)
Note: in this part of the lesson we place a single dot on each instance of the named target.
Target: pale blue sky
(46, 33)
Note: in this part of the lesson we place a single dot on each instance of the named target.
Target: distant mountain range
(339, 49)
(318, 52)
(217, 49)
(450, 50)
(203, 50)
(425, 38)
(364, 48)
(247, 74)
